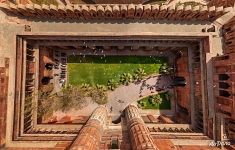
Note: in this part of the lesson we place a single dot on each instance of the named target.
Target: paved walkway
(86, 111)
(125, 95)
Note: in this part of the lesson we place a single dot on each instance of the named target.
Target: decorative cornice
(115, 12)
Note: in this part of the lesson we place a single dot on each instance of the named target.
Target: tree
(99, 96)
(166, 69)
(139, 74)
(142, 104)
(45, 104)
(126, 78)
(86, 86)
(101, 87)
(87, 89)
(70, 97)
(155, 99)
(112, 84)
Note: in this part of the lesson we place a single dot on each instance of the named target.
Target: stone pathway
(125, 95)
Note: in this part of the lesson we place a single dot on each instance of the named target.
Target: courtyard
(91, 75)
(95, 70)
(120, 81)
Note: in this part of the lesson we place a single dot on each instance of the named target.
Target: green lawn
(98, 70)
(166, 104)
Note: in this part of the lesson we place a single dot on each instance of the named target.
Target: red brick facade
(183, 93)
(139, 134)
(45, 56)
(224, 79)
(90, 135)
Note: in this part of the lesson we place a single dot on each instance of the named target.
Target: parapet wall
(122, 11)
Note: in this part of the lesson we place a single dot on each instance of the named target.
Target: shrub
(166, 69)
(99, 96)
(155, 99)
(139, 74)
(112, 84)
(101, 87)
(126, 78)
(70, 97)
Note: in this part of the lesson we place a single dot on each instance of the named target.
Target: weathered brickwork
(4, 68)
(224, 3)
(183, 93)
(89, 137)
(139, 134)
(224, 79)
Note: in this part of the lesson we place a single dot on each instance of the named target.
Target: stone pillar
(90, 135)
(139, 134)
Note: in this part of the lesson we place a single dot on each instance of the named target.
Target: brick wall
(183, 97)
(224, 67)
(4, 67)
(224, 73)
(225, 3)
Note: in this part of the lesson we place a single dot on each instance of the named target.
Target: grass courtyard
(95, 70)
